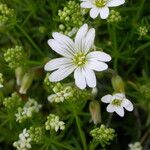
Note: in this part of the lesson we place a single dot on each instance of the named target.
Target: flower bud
(26, 82)
(94, 91)
(19, 75)
(118, 84)
(94, 108)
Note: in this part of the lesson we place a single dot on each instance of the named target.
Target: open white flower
(100, 7)
(117, 103)
(76, 58)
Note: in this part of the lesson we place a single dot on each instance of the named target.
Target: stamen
(79, 59)
(100, 3)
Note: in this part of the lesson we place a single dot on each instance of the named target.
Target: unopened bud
(118, 84)
(94, 91)
(19, 75)
(94, 108)
(26, 82)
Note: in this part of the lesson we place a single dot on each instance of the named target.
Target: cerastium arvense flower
(77, 58)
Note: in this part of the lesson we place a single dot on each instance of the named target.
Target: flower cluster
(5, 14)
(117, 103)
(53, 123)
(70, 13)
(77, 58)
(24, 142)
(28, 110)
(36, 134)
(114, 17)
(135, 146)
(12, 102)
(103, 135)
(1, 80)
(100, 7)
(142, 31)
(61, 95)
(15, 57)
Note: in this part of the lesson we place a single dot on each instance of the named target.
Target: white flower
(135, 146)
(100, 7)
(61, 96)
(76, 58)
(117, 103)
(24, 142)
(53, 123)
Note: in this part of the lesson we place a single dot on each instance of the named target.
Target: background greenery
(31, 26)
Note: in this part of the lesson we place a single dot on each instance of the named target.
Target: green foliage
(32, 108)
(103, 135)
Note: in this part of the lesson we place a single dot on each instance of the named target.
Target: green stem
(62, 145)
(113, 36)
(29, 39)
(142, 47)
(93, 145)
(82, 136)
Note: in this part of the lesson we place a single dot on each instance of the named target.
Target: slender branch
(82, 136)
(29, 39)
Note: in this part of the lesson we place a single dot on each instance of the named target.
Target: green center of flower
(100, 3)
(79, 59)
(116, 102)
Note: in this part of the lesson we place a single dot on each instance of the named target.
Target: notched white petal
(86, 4)
(56, 63)
(110, 108)
(80, 36)
(89, 40)
(94, 12)
(104, 12)
(97, 55)
(119, 111)
(127, 105)
(58, 48)
(61, 73)
(65, 41)
(97, 65)
(90, 78)
(113, 3)
(80, 78)
(106, 98)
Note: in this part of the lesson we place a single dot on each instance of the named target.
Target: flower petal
(119, 96)
(89, 40)
(107, 98)
(65, 41)
(127, 105)
(119, 111)
(58, 48)
(56, 63)
(86, 4)
(101, 56)
(97, 65)
(90, 77)
(80, 78)
(1, 86)
(61, 73)
(94, 12)
(113, 3)
(80, 36)
(110, 108)
(104, 12)
(51, 97)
